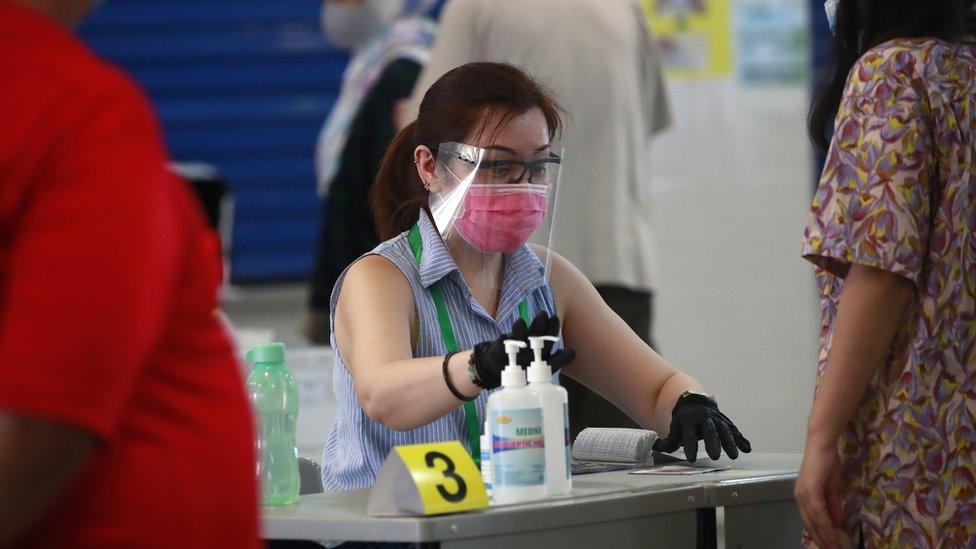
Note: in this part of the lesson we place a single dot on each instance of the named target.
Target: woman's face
(518, 152)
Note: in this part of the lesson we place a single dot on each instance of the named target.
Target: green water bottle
(274, 399)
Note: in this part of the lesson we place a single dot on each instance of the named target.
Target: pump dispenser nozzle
(539, 370)
(513, 375)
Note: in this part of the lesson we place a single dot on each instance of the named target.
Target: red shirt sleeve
(93, 262)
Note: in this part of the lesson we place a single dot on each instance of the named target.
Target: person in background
(600, 59)
(419, 322)
(890, 458)
(123, 418)
(389, 40)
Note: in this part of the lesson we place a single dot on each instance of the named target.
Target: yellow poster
(695, 36)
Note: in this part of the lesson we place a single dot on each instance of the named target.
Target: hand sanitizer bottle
(486, 458)
(518, 457)
(555, 420)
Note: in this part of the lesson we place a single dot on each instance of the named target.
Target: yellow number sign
(445, 476)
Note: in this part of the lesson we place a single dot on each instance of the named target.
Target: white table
(614, 509)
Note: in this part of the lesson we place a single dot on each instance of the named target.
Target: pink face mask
(500, 218)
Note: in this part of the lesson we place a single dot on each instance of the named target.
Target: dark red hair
(458, 104)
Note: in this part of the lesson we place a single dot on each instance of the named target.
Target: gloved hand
(696, 417)
(489, 358)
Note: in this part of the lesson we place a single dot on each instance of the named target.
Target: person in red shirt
(123, 418)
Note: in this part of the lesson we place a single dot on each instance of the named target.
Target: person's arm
(38, 459)
(871, 309)
(374, 319)
(868, 316)
(610, 358)
(92, 264)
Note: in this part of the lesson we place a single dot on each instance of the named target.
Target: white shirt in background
(599, 59)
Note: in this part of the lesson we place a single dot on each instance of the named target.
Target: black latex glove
(696, 417)
(490, 359)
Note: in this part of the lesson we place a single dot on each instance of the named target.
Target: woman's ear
(426, 164)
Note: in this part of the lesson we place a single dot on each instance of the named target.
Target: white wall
(736, 305)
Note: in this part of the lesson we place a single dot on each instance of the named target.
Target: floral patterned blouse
(898, 193)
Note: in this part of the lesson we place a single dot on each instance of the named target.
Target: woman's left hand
(818, 496)
(697, 417)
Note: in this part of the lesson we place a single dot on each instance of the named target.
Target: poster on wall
(695, 36)
(772, 41)
(762, 41)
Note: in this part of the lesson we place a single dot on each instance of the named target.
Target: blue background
(244, 85)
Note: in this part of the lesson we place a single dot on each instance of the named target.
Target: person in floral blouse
(890, 458)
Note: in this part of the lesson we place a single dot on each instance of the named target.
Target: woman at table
(459, 192)
(890, 456)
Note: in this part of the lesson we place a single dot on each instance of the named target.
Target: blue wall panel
(243, 85)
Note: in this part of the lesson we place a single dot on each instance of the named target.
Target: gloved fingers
(689, 439)
(552, 329)
(742, 442)
(552, 326)
(496, 352)
(669, 443)
(710, 436)
(539, 324)
(519, 331)
(728, 441)
(487, 369)
(561, 358)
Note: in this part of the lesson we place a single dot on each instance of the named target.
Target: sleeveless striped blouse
(357, 446)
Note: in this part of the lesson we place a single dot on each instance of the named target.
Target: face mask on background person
(500, 218)
(350, 25)
(830, 8)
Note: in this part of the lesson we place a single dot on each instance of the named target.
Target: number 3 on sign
(445, 476)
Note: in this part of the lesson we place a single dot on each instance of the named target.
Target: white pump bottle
(555, 419)
(518, 458)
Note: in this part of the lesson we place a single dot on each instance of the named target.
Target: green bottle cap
(269, 352)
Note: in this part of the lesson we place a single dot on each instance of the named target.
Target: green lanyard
(447, 333)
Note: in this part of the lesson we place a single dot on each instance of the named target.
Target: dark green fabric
(347, 230)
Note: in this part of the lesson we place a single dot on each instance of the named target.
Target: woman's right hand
(489, 357)
(817, 495)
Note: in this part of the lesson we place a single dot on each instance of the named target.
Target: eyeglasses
(507, 171)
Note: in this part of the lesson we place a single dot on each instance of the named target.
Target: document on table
(678, 470)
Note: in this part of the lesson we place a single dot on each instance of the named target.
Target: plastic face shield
(489, 202)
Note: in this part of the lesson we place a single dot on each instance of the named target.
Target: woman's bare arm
(374, 321)
(610, 358)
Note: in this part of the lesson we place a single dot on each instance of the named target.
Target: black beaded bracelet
(447, 380)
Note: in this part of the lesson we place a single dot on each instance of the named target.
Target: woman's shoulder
(390, 259)
(370, 278)
(385, 268)
(908, 61)
(395, 250)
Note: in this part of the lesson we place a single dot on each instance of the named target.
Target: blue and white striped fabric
(357, 446)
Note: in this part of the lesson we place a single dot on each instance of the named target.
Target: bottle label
(518, 455)
(569, 448)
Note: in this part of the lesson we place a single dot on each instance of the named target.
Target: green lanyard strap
(450, 343)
